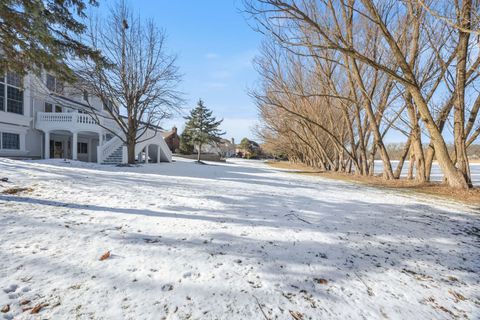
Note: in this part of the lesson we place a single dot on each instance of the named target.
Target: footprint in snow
(8, 316)
(10, 288)
(190, 274)
(13, 296)
(167, 287)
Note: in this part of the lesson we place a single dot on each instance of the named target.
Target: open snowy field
(233, 241)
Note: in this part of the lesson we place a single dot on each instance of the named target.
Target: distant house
(172, 139)
(248, 149)
(224, 148)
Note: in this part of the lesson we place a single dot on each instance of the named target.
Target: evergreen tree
(245, 144)
(42, 34)
(186, 145)
(201, 127)
(250, 148)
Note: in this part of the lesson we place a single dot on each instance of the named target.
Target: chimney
(174, 129)
(233, 141)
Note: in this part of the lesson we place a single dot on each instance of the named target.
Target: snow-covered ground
(233, 241)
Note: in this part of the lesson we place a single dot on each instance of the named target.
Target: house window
(48, 107)
(54, 85)
(82, 147)
(14, 79)
(11, 93)
(10, 141)
(14, 100)
(50, 82)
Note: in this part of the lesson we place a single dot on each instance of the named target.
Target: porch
(77, 136)
(71, 145)
(58, 145)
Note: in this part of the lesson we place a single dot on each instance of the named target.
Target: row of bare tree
(338, 76)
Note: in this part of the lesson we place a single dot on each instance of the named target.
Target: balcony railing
(65, 120)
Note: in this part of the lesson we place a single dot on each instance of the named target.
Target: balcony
(69, 121)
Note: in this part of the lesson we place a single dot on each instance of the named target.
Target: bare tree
(462, 26)
(138, 86)
(389, 51)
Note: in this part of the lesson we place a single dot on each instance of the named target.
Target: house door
(56, 149)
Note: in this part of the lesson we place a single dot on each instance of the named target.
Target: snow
(228, 241)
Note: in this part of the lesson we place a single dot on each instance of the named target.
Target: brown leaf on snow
(16, 190)
(5, 308)
(458, 296)
(320, 280)
(296, 315)
(38, 307)
(446, 310)
(105, 256)
(24, 302)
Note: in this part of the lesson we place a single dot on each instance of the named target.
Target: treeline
(337, 76)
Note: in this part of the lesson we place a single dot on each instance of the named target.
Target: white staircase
(114, 150)
(116, 157)
(111, 152)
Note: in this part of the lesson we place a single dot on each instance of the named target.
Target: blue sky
(215, 47)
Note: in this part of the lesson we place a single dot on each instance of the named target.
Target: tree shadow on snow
(338, 241)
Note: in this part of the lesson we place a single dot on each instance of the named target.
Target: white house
(42, 118)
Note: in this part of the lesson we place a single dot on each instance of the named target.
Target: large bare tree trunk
(411, 165)
(401, 162)
(441, 121)
(131, 149)
(416, 141)
(459, 109)
(453, 176)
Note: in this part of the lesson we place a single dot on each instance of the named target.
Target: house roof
(167, 134)
(225, 141)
